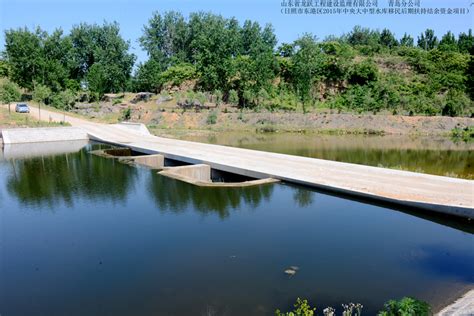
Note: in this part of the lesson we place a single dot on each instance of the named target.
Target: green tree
(148, 76)
(166, 37)
(9, 92)
(306, 67)
(363, 36)
(406, 40)
(97, 80)
(24, 53)
(336, 60)
(387, 39)
(103, 47)
(466, 42)
(286, 50)
(64, 100)
(427, 40)
(448, 42)
(470, 74)
(4, 68)
(41, 94)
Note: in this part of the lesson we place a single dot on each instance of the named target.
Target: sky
(133, 14)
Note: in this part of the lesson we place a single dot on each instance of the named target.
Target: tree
(470, 74)
(147, 76)
(4, 68)
(23, 50)
(9, 92)
(103, 47)
(448, 42)
(97, 80)
(363, 36)
(286, 50)
(41, 93)
(306, 65)
(387, 39)
(166, 37)
(427, 40)
(406, 40)
(335, 60)
(466, 42)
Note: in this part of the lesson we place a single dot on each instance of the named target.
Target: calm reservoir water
(85, 235)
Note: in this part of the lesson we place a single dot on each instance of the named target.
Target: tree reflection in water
(175, 196)
(51, 180)
(47, 181)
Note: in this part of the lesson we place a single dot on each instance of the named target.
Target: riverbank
(463, 305)
(326, 123)
(167, 115)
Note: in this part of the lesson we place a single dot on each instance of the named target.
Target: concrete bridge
(422, 191)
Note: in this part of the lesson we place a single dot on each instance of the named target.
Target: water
(433, 155)
(85, 235)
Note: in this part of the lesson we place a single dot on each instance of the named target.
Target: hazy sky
(133, 14)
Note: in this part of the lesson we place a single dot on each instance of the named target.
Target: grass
(13, 120)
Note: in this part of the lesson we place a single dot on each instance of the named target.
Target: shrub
(212, 118)
(126, 114)
(233, 97)
(63, 100)
(178, 73)
(218, 97)
(466, 134)
(406, 306)
(363, 73)
(302, 308)
(456, 103)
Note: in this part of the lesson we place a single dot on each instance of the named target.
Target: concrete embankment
(44, 134)
(464, 306)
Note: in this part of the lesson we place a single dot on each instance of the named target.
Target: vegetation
(9, 92)
(212, 118)
(465, 134)
(407, 306)
(302, 308)
(362, 71)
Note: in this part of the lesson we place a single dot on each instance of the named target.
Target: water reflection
(49, 180)
(175, 196)
(53, 179)
(143, 256)
(441, 260)
(23, 151)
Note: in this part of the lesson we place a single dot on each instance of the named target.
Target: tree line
(363, 70)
